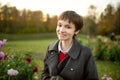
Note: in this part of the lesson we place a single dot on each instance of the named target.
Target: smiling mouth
(62, 35)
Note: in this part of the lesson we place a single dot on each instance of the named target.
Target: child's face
(65, 30)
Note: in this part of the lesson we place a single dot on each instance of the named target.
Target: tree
(53, 24)
(109, 21)
(117, 20)
(25, 21)
(47, 22)
(90, 21)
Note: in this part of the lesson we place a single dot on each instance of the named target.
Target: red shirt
(62, 56)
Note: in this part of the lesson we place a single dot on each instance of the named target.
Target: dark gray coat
(79, 66)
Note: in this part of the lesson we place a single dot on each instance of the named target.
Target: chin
(62, 39)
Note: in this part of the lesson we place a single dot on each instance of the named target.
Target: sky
(55, 7)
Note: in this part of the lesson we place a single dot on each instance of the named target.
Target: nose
(62, 29)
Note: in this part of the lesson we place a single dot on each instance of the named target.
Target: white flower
(12, 72)
(103, 78)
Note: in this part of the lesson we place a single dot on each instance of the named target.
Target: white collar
(60, 49)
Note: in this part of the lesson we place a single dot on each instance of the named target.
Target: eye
(68, 27)
(59, 25)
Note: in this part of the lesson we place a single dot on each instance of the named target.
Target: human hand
(56, 78)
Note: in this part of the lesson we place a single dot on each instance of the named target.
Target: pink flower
(109, 78)
(28, 60)
(12, 72)
(106, 77)
(2, 56)
(35, 69)
(2, 43)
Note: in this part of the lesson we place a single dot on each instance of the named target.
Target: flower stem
(9, 78)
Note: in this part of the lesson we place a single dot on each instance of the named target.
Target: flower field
(15, 66)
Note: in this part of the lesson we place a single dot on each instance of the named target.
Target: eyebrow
(61, 22)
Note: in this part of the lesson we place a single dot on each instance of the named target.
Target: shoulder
(53, 46)
(82, 46)
(79, 49)
(85, 50)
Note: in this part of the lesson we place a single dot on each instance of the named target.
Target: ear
(76, 32)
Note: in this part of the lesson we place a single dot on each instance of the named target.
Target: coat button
(71, 69)
(52, 53)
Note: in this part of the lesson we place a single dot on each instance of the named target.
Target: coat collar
(54, 46)
(75, 49)
(73, 52)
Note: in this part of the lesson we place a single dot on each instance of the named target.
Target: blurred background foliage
(14, 21)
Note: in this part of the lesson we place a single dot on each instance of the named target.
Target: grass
(35, 46)
(12, 37)
(39, 46)
(108, 68)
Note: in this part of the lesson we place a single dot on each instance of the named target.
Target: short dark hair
(73, 17)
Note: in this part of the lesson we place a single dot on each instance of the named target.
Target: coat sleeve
(90, 69)
(45, 72)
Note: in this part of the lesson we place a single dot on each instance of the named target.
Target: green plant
(100, 49)
(118, 37)
(106, 49)
(113, 51)
(16, 66)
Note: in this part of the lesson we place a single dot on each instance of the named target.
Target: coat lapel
(62, 64)
(52, 60)
(74, 53)
(75, 49)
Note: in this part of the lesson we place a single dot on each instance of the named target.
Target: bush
(118, 37)
(106, 49)
(16, 66)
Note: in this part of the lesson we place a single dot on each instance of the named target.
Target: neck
(66, 44)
